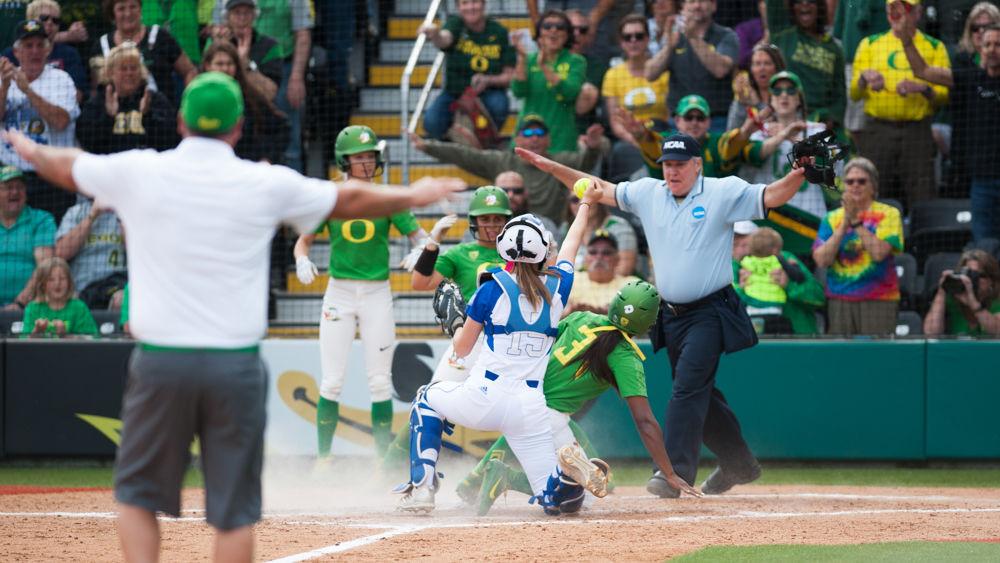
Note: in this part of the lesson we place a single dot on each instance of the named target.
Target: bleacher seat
(7, 319)
(895, 203)
(107, 321)
(990, 245)
(937, 263)
(909, 323)
(906, 271)
(939, 225)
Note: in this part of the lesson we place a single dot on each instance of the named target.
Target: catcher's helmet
(524, 239)
(487, 200)
(356, 139)
(634, 308)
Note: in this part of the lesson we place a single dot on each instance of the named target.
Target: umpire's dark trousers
(695, 337)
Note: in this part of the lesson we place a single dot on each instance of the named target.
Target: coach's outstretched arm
(357, 199)
(54, 164)
(778, 193)
(567, 175)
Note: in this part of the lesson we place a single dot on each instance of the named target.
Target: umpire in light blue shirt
(688, 221)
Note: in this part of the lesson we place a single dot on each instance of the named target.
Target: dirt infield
(310, 520)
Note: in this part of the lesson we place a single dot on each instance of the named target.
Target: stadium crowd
(913, 93)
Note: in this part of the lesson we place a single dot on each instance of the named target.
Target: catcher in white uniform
(357, 295)
(517, 312)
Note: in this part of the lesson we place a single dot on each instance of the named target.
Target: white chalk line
(832, 496)
(395, 530)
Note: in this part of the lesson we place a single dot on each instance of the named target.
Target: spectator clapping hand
(593, 137)
(873, 79)
(417, 141)
(77, 33)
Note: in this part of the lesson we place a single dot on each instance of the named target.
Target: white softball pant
(349, 305)
(505, 405)
(446, 371)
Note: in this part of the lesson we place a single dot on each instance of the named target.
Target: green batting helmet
(356, 139)
(634, 308)
(487, 200)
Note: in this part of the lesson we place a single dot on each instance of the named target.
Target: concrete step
(406, 27)
(392, 75)
(410, 309)
(386, 99)
(387, 125)
(398, 52)
(493, 7)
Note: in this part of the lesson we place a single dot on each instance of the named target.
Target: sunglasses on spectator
(979, 28)
(600, 252)
(790, 90)
(694, 117)
(554, 25)
(629, 37)
(581, 29)
(534, 132)
(515, 191)
(855, 181)
(46, 18)
(805, 1)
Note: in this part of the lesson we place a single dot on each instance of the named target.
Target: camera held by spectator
(953, 283)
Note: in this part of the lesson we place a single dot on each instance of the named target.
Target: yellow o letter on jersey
(346, 231)
(479, 63)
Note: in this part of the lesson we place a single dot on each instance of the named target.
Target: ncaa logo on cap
(673, 145)
(698, 212)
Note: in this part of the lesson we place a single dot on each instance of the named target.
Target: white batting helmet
(524, 239)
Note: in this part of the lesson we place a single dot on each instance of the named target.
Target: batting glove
(305, 270)
(442, 226)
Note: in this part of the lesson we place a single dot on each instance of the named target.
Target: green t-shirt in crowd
(32, 228)
(956, 323)
(566, 388)
(463, 264)
(359, 248)
(75, 315)
(471, 52)
(819, 63)
(556, 104)
(180, 17)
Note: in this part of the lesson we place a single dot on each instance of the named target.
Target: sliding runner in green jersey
(592, 354)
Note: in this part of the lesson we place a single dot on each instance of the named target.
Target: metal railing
(406, 121)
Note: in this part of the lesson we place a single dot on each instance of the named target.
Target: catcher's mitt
(449, 307)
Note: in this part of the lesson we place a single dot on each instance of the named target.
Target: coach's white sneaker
(418, 499)
(589, 475)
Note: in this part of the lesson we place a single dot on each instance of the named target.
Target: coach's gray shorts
(173, 395)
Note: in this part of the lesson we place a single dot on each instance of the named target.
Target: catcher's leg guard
(426, 427)
(562, 495)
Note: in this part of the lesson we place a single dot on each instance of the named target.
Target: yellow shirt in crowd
(645, 99)
(884, 52)
(587, 292)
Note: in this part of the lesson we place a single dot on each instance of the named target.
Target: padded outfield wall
(808, 400)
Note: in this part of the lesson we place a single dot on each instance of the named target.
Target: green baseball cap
(690, 102)
(212, 103)
(8, 173)
(786, 75)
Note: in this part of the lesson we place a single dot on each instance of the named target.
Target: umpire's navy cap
(679, 147)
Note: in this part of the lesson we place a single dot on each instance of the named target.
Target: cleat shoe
(721, 481)
(418, 500)
(658, 486)
(576, 466)
(496, 481)
(468, 489)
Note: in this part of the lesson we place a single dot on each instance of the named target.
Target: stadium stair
(297, 309)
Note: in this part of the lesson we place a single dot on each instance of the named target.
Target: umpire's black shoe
(658, 486)
(721, 481)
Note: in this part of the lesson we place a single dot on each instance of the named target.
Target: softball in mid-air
(580, 187)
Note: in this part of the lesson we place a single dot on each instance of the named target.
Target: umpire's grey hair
(866, 166)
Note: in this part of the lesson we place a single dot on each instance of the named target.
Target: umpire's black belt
(678, 309)
(533, 383)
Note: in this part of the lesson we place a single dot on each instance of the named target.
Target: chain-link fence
(911, 88)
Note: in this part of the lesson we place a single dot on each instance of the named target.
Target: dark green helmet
(356, 139)
(487, 200)
(634, 308)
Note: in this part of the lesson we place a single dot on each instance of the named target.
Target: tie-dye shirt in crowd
(854, 276)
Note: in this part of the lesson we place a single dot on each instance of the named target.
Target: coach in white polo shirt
(688, 221)
(199, 223)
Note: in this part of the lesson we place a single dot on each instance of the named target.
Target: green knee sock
(327, 415)
(499, 450)
(382, 426)
(398, 452)
(518, 481)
